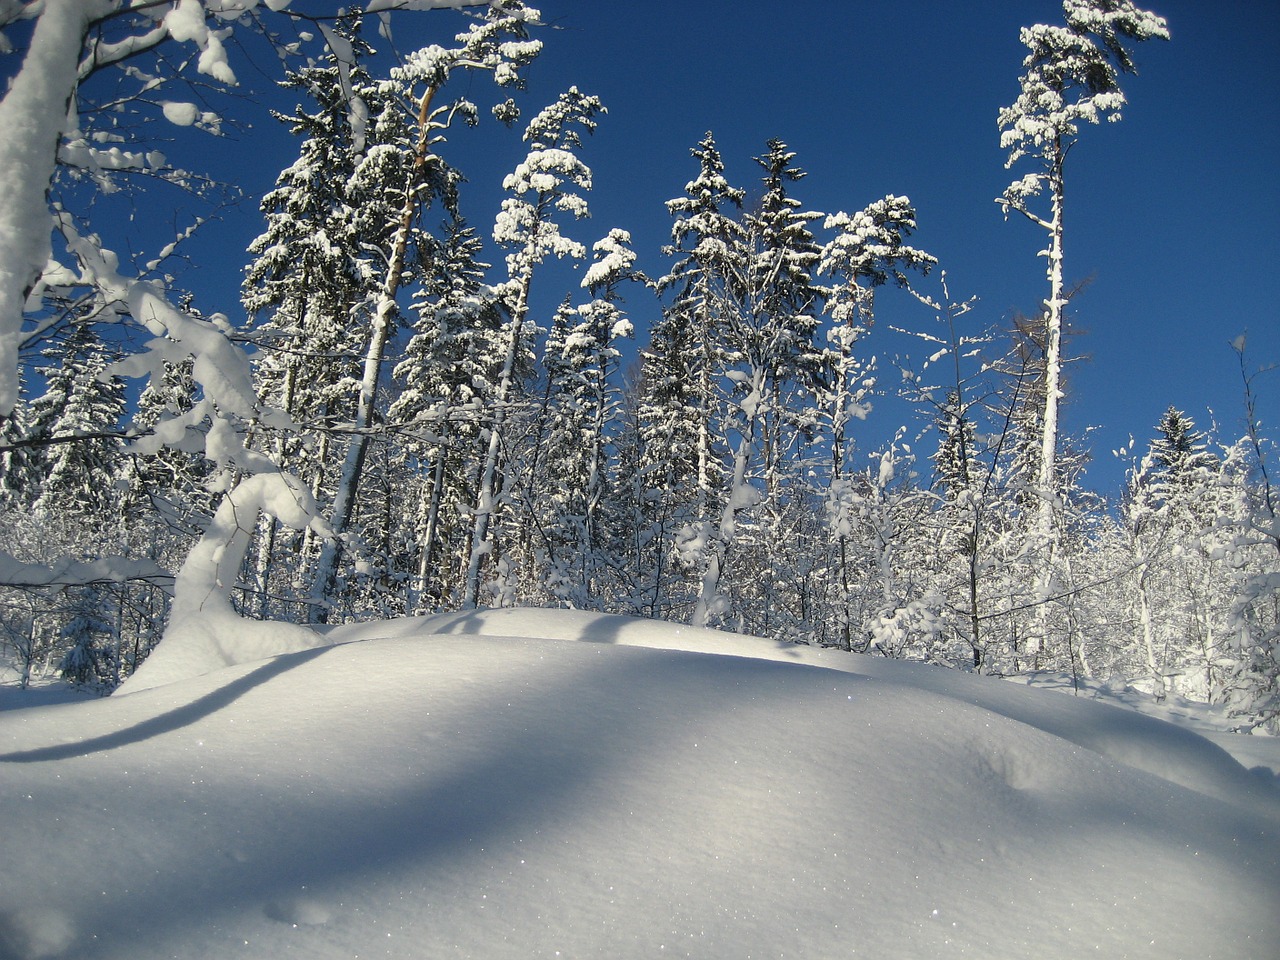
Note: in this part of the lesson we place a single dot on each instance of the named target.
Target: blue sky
(1173, 212)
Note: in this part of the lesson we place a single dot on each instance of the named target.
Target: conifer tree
(317, 269)
(1071, 77)
(681, 444)
(768, 315)
(549, 181)
(402, 179)
(76, 419)
(19, 464)
(1175, 517)
(582, 361)
(445, 376)
(868, 248)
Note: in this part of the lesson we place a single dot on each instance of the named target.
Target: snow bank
(1165, 750)
(425, 789)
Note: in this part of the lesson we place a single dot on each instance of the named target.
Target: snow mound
(1171, 752)
(463, 786)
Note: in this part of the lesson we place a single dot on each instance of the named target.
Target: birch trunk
(33, 116)
(480, 545)
(1048, 492)
(375, 354)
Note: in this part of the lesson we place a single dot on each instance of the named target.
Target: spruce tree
(76, 420)
(446, 374)
(867, 250)
(582, 361)
(680, 416)
(770, 318)
(315, 271)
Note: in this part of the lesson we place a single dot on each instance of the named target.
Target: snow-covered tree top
(1071, 74)
(613, 259)
(554, 126)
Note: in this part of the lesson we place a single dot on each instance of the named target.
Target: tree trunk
(379, 335)
(33, 116)
(480, 545)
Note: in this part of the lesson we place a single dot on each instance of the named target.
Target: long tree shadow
(172, 720)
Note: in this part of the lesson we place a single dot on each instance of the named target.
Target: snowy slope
(541, 784)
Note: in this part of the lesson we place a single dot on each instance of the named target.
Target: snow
(180, 114)
(204, 632)
(526, 783)
(186, 22)
(33, 115)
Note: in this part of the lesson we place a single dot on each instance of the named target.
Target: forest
(425, 411)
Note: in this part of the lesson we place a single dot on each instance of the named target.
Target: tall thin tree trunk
(1044, 533)
(480, 545)
(1048, 492)
(379, 335)
(431, 525)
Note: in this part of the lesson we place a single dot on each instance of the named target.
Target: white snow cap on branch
(614, 257)
(205, 633)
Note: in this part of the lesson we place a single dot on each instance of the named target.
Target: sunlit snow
(525, 783)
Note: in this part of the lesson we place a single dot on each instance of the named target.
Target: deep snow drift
(539, 784)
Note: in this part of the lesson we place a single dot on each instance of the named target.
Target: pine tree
(582, 361)
(1070, 77)
(867, 250)
(1252, 685)
(1174, 500)
(19, 463)
(550, 180)
(767, 314)
(317, 271)
(681, 445)
(446, 374)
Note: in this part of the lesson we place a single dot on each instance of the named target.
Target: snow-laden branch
(205, 633)
(68, 572)
(33, 116)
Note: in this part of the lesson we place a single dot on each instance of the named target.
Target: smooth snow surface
(540, 784)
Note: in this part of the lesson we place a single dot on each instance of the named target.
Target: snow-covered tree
(768, 314)
(1070, 77)
(681, 448)
(868, 249)
(444, 378)
(581, 367)
(64, 51)
(78, 419)
(499, 45)
(547, 183)
(317, 270)
(1252, 687)
(1172, 504)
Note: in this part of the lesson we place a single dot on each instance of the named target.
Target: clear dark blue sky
(1172, 212)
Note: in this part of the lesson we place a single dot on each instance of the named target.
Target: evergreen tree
(1173, 501)
(446, 375)
(77, 421)
(1070, 77)
(1252, 685)
(682, 449)
(582, 361)
(867, 250)
(498, 44)
(768, 315)
(19, 463)
(549, 181)
(317, 270)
